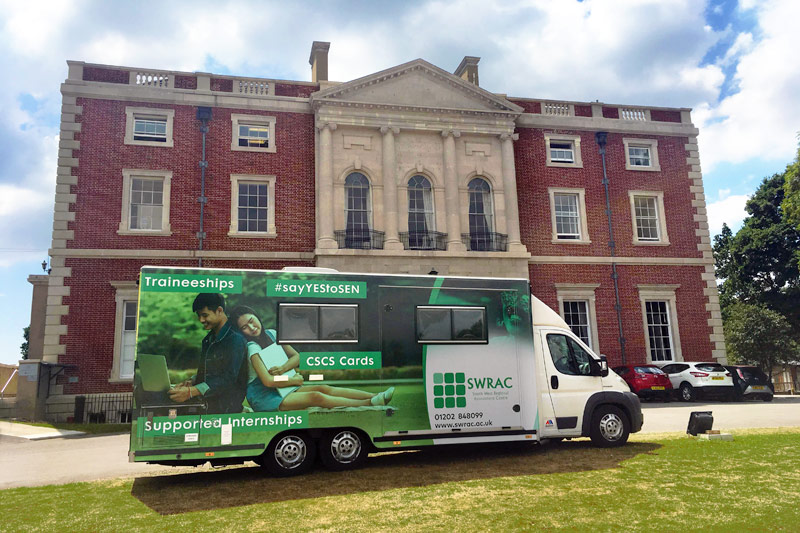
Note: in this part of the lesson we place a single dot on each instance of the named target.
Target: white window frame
(127, 176)
(125, 291)
(652, 144)
(570, 292)
(665, 293)
(584, 227)
(257, 120)
(132, 113)
(577, 160)
(663, 236)
(233, 230)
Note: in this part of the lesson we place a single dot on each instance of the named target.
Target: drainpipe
(601, 138)
(204, 116)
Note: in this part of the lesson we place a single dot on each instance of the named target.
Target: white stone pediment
(415, 85)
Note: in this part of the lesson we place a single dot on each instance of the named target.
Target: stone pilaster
(325, 200)
(451, 191)
(390, 222)
(510, 192)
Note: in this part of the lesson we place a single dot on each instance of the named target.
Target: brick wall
(103, 155)
(534, 177)
(692, 316)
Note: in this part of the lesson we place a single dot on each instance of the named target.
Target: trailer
(280, 367)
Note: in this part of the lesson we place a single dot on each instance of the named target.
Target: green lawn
(663, 483)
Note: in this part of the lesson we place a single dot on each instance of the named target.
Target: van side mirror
(603, 365)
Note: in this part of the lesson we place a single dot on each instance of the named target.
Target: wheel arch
(628, 402)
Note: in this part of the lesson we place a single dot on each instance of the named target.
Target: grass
(656, 482)
(93, 429)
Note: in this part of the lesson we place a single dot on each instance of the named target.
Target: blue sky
(733, 62)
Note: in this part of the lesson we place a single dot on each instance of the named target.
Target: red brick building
(406, 170)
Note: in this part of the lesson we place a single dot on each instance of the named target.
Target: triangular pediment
(419, 85)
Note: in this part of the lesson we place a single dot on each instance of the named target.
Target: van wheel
(610, 427)
(342, 449)
(767, 397)
(687, 392)
(289, 454)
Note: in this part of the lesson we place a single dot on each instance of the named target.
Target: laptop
(153, 371)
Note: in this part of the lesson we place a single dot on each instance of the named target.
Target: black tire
(610, 427)
(767, 397)
(687, 393)
(289, 454)
(343, 449)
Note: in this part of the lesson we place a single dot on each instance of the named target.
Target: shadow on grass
(200, 491)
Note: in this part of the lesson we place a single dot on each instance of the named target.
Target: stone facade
(411, 120)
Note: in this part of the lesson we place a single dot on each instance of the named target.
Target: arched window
(358, 210)
(481, 215)
(421, 221)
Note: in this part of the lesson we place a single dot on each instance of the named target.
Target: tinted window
(559, 351)
(711, 367)
(468, 324)
(433, 324)
(583, 361)
(648, 370)
(298, 323)
(338, 323)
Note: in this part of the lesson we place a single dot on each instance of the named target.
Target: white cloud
(723, 193)
(742, 44)
(729, 209)
(761, 120)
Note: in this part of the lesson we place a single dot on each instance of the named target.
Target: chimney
(319, 61)
(468, 69)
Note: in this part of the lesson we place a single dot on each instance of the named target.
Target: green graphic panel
(190, 283)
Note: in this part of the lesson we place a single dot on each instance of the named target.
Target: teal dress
(259, 396)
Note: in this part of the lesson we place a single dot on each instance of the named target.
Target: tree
(758, 336)
(23, 348)
(759, 264)
(791, 190)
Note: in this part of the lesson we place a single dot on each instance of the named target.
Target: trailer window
(317, 323)
(460, 325)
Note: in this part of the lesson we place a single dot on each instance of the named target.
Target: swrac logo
(490, 383)
(317, 289)
(449, 390)
(191, 283)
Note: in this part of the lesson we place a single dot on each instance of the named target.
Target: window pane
(658, 330)
(339, 323)
(561, 151)
(567, 216)
(433, 324)
(639, 156)
(583, 361)
(298, 323)
(252, 208)
(576, 315)
(559, 351)
(468, 324)
(646, 213)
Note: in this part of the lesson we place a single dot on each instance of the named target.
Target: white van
(299, 364)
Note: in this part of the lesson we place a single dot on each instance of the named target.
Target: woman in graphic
(262, 388)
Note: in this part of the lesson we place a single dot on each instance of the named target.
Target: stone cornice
(588, 260)
(133, 93)
(529, 120)
(116, 253)
(484, 125)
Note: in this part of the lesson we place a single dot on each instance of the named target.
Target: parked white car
(690, 380)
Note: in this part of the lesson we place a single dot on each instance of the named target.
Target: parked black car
(750, 382)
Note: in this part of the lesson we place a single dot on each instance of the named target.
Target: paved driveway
(783, 411)
(66, 460)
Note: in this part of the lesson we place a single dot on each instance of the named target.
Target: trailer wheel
(610, 427)
(289, 454)
(342, 449)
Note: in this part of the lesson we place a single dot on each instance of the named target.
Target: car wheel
(687, 392)
(342, 449)
(289, 454)
(767, 397)
(610, 427)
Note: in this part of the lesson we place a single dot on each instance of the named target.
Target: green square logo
(449, 390)
(460, 377)
(461, 390)
(438, 390)
(449, 377)
(438, 403)
(450, 402)
(461, 401)
(438, 377)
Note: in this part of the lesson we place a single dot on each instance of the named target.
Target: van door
(572, 376)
